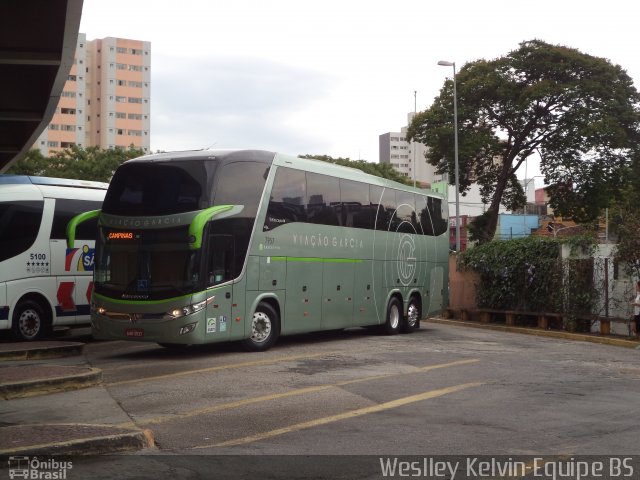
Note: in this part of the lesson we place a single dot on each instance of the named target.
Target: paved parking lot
(444, 390)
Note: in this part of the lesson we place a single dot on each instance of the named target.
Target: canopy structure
(37, 48)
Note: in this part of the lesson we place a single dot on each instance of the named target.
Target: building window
(134, 116)
(54, 126)
(135, 68)
(135, 100)
(121, 115)
(121, 50)
(121, 66)
(53, 144)
(134, 133)
(67, 144)
(121, 99)
(119, 131)
(68, 111)
(71, 78)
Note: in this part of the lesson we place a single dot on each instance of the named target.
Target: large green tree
(578, 112)
(625, 214)
(91, 163)
(384, 170)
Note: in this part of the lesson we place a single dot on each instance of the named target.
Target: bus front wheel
(30, 322)
(265, 329)
(394, 317)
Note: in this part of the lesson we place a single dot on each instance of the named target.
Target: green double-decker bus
(212, 246)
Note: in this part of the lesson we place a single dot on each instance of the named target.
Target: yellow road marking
(253, 363)
(291, 393)
(344, 416)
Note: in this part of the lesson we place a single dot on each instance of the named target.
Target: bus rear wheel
(265, 329)
(394, 317)
(30, 322)
(414, 314)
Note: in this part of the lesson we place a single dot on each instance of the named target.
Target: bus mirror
(77, 220)
(196, 228)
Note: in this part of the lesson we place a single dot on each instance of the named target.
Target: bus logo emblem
(406, 259)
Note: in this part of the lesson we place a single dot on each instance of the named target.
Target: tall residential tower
(106, 99)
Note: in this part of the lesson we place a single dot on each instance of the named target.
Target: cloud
(232, 102)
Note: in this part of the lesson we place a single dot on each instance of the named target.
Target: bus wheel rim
(394, 316)
(260, 327)
(29, 323)
(412, 315)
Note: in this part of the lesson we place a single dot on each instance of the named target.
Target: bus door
(220, 271)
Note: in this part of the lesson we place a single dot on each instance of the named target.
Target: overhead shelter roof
(37, 48)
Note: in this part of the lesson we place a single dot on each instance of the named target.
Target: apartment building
(407, 157)
(106, 99)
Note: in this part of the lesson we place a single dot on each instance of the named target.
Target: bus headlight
(189, 309)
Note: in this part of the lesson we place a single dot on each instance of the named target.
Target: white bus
(43, 281)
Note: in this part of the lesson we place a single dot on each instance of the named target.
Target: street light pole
(445, 63)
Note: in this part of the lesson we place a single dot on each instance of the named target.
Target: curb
(582, 337)
(41, 386)
(81, 439)
(24, 351)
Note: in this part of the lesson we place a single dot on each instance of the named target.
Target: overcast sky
(330, 76)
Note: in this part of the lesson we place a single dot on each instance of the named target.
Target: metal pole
(446, 63)
(415, 107)
(455, 139)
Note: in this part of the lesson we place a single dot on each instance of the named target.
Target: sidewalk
(582, 337)
(79, 416)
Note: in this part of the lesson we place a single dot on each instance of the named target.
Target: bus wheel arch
(265, 326)
(414, 314)
(394, 316)
(32, 318)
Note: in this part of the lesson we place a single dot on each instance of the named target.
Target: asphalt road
(444, 390)
(441, 390)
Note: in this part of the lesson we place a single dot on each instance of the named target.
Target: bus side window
(221, 257)
(19, 225)
(65, 210)
(356, 208)
(287, 202)
(323, 200)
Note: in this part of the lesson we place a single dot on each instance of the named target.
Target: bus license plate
(134, 332)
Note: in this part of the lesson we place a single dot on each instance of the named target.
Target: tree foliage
(528, 275)
(384, 170)
(626, 215)
(579, 112)
(91, 163)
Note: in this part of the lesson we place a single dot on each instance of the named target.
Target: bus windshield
(139, 189)
(146, 264)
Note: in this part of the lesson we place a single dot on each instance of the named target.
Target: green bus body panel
(75, 221)
(319, 277)
(196, 227)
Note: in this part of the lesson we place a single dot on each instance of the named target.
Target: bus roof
(279, 159)
(50, 181)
